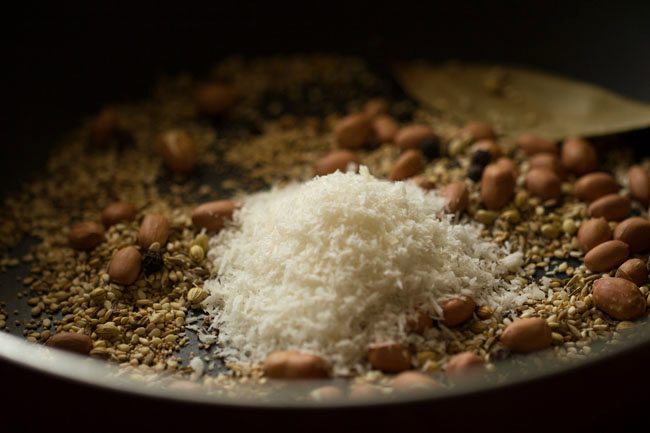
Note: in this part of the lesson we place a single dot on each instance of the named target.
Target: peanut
(619, 298)
(337, 160)
(457, 195)
(213, 215)
(124, 267)
(612, 207)
(420, 322)
(463, 362)
(606, 256)
(118, 212)
(295, 365)
(423, 182)
(86, 236)
(639, 183)
(413, 381)
(154, 228)
(593, 232)
(497, 186)
(457, 310)
(72, 342)
(384, 128)
(548, 161)
(635, 232)
(408, 164)
(411, 137)
(477, 130)
(389, 357)
(375, 107)
(178, 150)
(215, 99)
(634, 270)
(544, 184)
(532, 144)
(103, 127)
(527, 335)
(579, 156)
(592, 186)
(353, 131)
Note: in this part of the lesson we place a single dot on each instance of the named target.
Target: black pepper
(152, 262)
(481, 158)
(475, 172)
(430, 148)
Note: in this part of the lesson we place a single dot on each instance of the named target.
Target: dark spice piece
(152, 262)
(475, 172)
(481, 158)
(430, 148)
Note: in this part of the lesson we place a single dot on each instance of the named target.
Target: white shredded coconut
(341, 261)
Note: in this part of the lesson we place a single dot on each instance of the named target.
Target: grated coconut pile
(342, 261)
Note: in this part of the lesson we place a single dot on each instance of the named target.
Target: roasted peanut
(389, 357)
(178, 150)
(457, 195)
(612, 207)
(619, 298)
(326, 393)
(420, 322)
(579, 156)
(457, 310)
(408, 164)
(411, 137)
(544, 184)
(353, 131)
(489, 146)
(375, 107)
(606, 256)
(213, 215)
(103, 127)
(634, 270)
(423, 182)
(532, 144)
(547, 161)
(477, 130)
(463, 362)
(295, 365)
(118, 212)
(413, 381)
(635, 232)
(527, 335)
(384, 128)
(639, 184)
(215, 99)
(337, 160)
(154, 228)
(593, 232)
(497, 186)
(72, 342)
(86, 236)
(593, 186)
(363, 391)
(124, 267)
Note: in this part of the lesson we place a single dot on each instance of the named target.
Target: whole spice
(579, 156)
(527, 335)
(125, 266)
(152, 262)
(634, 270)
(178, 150)
(593, 232)
(430, 148)
(481, 157)
(213, 215)
(411, 137)
(389, 357)
(337, 160)
(295, 365)
(408, 164)
(612, 207)
(592, 186)
(475, 172)
(639, 184)
(489, 146)
(86, 236)
(457, 311)
(154, 229)
(353, 131)
(72, 342)
(118, 212)
(606, 256)
(635, 232)
(619, 298)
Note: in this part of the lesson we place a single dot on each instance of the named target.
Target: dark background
(65, 60)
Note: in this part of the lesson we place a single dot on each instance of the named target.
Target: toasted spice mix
(121, 248)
